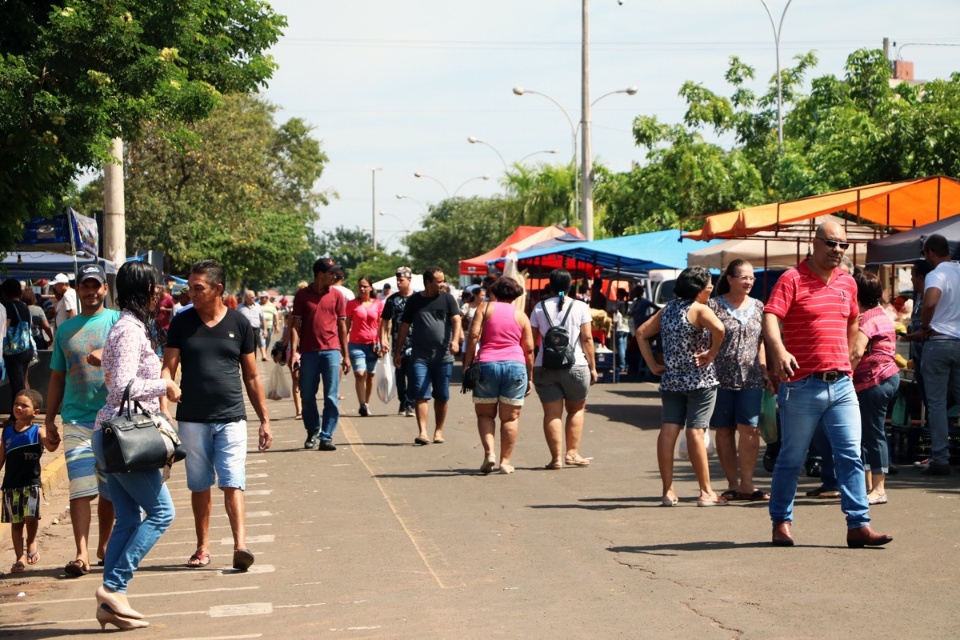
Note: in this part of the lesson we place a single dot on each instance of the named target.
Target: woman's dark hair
(560, 284)
(11, 288)
(136, 289)
(723, 285)
(869, 289)
(691, 282)
(506, 289)
(369, 284)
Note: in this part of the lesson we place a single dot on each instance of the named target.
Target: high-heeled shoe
(116, 605)
(106, 615)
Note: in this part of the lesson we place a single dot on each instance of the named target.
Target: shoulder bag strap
(543, 305)
(567, 314)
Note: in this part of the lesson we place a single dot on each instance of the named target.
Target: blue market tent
(33, 265)
(904, 247)
(628, 254)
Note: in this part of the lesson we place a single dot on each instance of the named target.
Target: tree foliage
(234, 187)
(73, 75)
(459, 228)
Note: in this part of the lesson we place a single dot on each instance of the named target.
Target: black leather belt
(828, 376)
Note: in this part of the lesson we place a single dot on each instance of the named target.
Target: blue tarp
(637, 253)
(33, 265)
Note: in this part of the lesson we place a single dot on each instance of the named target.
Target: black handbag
(138, 441)
(471, 375)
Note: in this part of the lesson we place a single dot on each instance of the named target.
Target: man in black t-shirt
(434, 317)
(216, 345)
(390, 326)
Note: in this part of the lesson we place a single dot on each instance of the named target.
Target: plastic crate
(909, 444)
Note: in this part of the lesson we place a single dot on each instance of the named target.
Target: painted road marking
(251, 540)
(28, 602)
(259, 492)
(251, 609)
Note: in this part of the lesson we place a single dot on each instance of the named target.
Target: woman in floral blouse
(130, 357)
(741, 370)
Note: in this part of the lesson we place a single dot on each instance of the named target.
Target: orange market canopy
(896, 205)
(519, 240)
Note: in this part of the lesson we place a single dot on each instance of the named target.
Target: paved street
(382, 539)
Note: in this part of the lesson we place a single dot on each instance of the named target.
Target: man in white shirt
(940, 365)
(66, 298)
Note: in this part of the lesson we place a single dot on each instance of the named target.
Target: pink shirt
(877, 363)
(815, 314)
(365, 321)
(500, 340)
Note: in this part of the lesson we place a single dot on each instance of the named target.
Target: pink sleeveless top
(500, 340)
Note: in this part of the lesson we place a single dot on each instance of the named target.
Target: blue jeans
(803, 404)
(941, 377)
(873, 416)
(427, 376)
(314, 367)
(622, 337)
(133, 537)
(828, 476)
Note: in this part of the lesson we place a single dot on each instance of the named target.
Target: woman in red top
(363, 322)
(876, 378)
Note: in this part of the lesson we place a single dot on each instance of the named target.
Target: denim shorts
(426, 376)
(362, 356)
(571, 384)
(215, 448)
(689, 408)
(504, 382)
(737, 406)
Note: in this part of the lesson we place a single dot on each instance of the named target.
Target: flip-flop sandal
(420, 441)
(18, 568)
(756, 496)
(242, 559)
(712, 503)
(438, 441)
(552, 466)
(731, 494)
(199, 559)
(33, 558)
(577, 462)
(76, 568)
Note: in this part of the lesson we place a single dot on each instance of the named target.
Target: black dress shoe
(866, 537)
(326, 445)
(936, 469)
(311, 442)
(781, 535)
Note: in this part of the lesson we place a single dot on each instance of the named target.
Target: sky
(400, 86)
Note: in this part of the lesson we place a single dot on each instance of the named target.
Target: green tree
(459, 228)
(233, 187)
(75, 75)
(545, 194)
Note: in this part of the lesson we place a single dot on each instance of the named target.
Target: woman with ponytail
(567, 387)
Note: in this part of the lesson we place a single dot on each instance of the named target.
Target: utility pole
(114, 217)
(586, 208)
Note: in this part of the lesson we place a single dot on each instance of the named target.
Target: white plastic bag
(385, 379)
(707, 440)
(278, 385)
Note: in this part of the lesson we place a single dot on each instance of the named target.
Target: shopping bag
(385, 379)
(707, 442)
(278, 387)
(768, 417)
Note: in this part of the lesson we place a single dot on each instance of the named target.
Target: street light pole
(400, 196)
(373, 207)
(420, 174)
(476, 140)
(776, 41)
(587, 192)
(484, 177)
(536, 153)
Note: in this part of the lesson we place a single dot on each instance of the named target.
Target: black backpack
(558, 351)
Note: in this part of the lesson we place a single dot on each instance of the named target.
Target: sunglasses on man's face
(833, 244)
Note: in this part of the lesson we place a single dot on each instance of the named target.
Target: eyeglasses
(833, 244)
(746, 278)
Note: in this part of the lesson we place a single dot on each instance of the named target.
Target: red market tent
(522, 238)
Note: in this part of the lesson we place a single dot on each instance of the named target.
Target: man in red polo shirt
(318, 331)
(816, 303)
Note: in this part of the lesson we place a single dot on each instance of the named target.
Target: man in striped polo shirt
(816, 303)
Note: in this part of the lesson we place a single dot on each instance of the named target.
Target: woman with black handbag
(130, 358)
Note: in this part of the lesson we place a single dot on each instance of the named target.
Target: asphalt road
(382, 539)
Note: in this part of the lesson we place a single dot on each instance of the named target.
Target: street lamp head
(553, 150)
(417, 174)
(485, 177)
(518, 91)
(631, 91)
(473, 139)
(399, 197)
